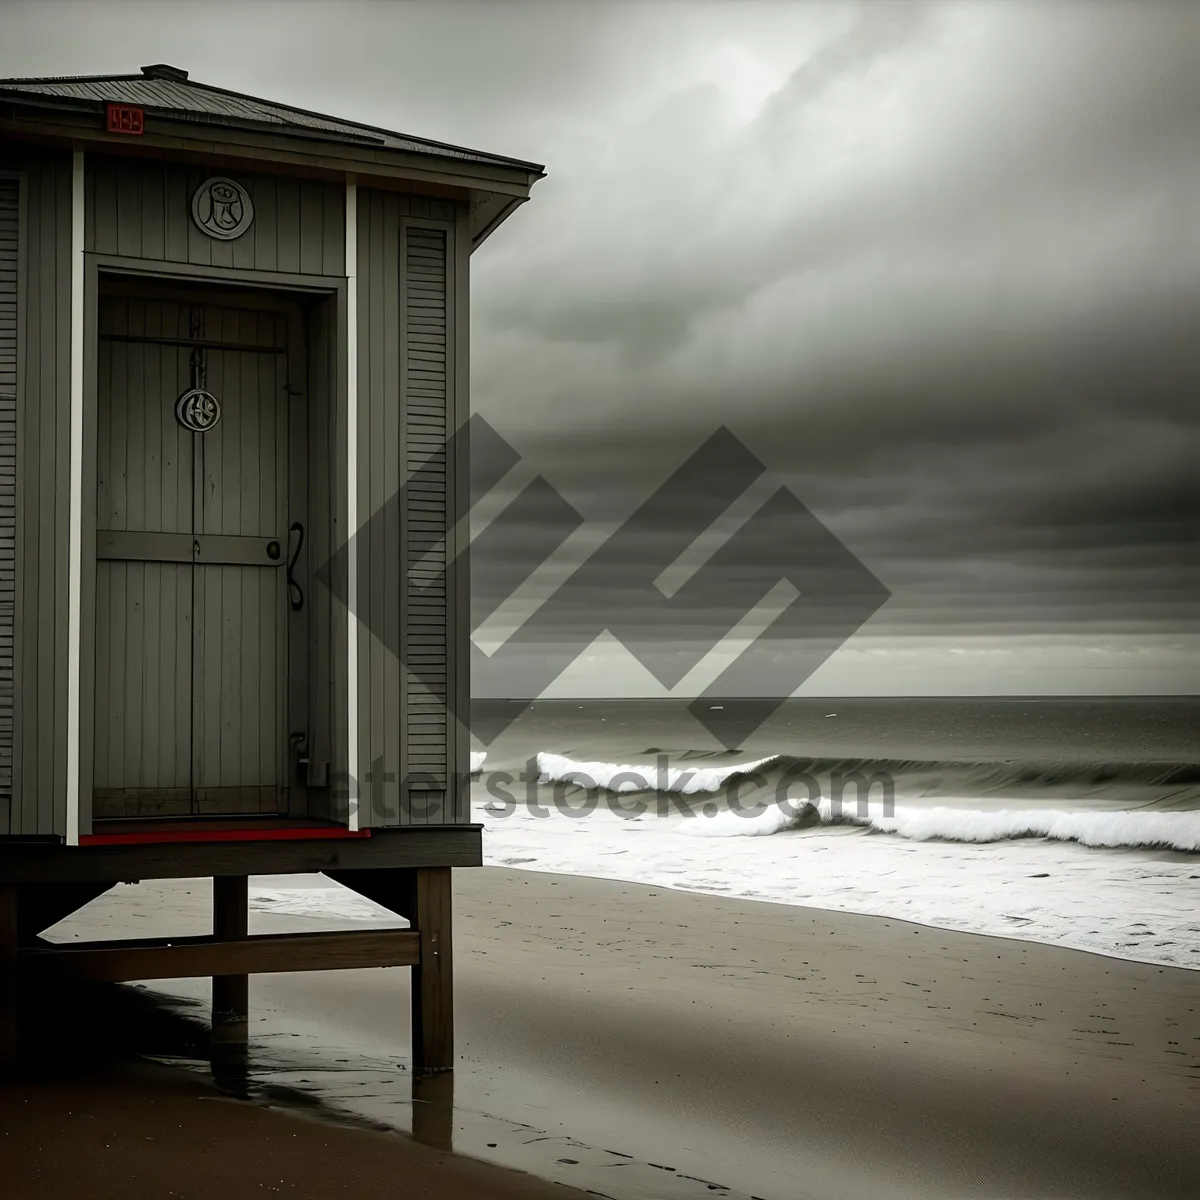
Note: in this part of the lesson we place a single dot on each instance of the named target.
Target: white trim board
(352, 502)
(75, 514)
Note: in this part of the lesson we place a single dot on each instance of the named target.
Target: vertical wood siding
(408, 351)
(144, 210)
(10, 248)
(42, 443)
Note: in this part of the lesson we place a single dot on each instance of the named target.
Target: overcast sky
(937, 266)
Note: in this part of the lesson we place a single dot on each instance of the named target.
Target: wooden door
(191, 594)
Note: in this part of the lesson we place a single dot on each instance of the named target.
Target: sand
(640, 1042)
(140, 1132)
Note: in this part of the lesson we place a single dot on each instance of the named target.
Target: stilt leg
(433, 1110)
(230, 993)
(9, 997)
(432, 980)
(423, 897)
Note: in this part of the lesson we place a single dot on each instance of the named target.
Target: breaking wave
(643, 777)
(1099, 804)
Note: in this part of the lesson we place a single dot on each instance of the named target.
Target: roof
(166, 91)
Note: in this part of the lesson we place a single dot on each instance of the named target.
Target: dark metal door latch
(295, 591)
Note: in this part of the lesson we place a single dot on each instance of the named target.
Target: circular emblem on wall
(222, 208)
(197, 410)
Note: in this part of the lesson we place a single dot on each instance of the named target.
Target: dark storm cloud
(1072, 447)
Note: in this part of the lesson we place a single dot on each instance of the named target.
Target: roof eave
(371, 135)
(352, 157)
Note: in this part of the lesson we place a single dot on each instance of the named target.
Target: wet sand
(143, 1132)
(640, 1042)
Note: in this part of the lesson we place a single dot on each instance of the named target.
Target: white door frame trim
(75, 511)
(352, 630)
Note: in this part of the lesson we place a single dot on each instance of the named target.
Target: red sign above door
(124, 118)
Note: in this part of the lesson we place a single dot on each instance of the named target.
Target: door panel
(143, 688)
(239, 738)
(241, 610)
(144, 456)
(143, 608)
(244, 468)
(191, 608)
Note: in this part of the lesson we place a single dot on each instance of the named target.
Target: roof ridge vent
(165, 71)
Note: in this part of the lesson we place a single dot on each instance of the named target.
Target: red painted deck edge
(220, 835)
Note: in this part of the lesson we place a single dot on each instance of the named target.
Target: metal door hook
(295, 591)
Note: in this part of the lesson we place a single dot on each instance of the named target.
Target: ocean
(1074, 821)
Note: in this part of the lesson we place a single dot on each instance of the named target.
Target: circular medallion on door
(197, 410)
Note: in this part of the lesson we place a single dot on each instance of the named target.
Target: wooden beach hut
(233, 599)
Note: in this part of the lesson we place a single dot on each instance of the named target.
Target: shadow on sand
(86, 1029)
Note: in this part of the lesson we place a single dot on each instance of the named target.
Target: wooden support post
(433, 1110)
(432, 978)
(423, 897)
(9, 991)
(230, 993)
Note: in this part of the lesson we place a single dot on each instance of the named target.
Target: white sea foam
(1168, 830)
(744, 824)
(686, 780)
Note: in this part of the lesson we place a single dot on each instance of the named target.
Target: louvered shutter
(10, 212)
(426, 625)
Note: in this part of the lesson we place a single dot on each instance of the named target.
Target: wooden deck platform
(216, 850)
(407, 871)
